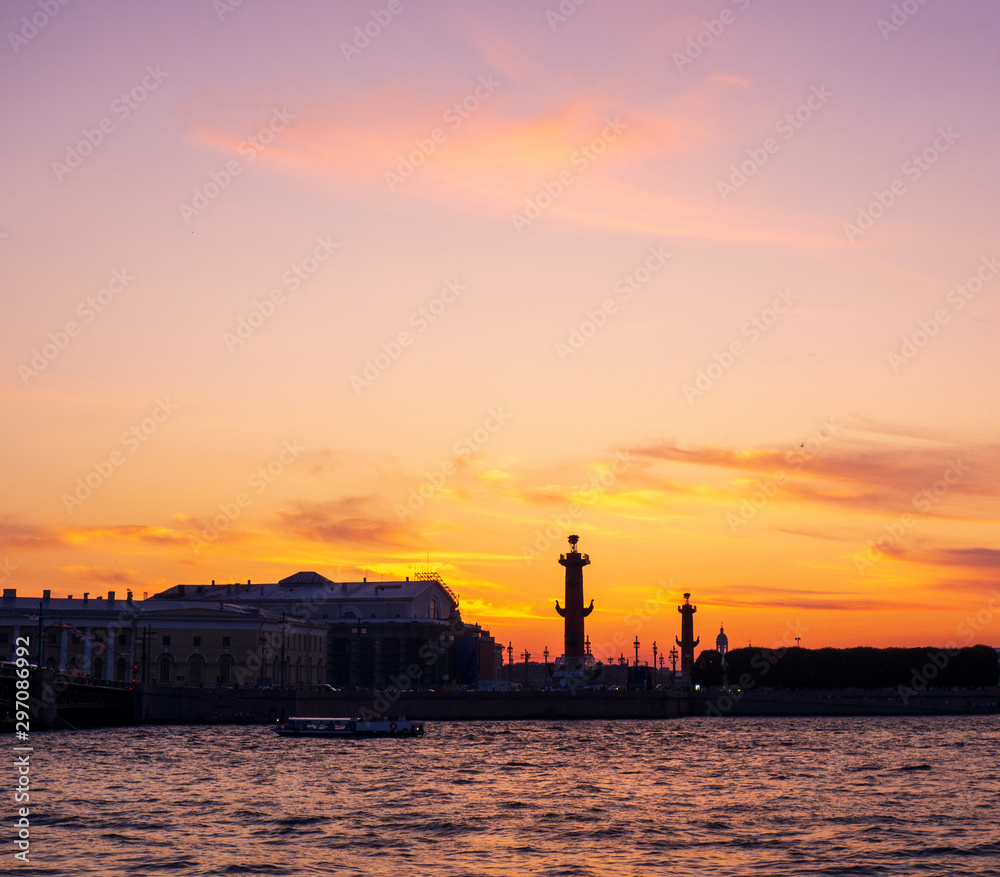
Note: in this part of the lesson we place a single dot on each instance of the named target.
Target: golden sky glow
(721, 300)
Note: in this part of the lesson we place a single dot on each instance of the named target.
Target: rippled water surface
(785, 797)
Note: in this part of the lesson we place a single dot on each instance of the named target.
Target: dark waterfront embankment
(75, 705)
(158, 704)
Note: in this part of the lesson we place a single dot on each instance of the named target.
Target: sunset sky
(361, 287)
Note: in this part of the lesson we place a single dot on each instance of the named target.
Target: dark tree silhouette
(707, 669)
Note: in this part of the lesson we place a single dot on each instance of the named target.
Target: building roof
(315, 588)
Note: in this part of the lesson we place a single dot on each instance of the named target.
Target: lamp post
(636, 644)
(545, 654)
(654, 657)
(588, 644)
(621, 663)
(510, 661)
(673, 658)
(527, 655)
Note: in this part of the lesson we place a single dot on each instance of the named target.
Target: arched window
(196, 669)
(121, 669)
(349, 613)
(164, 669)
(226, 669)
(98, 671)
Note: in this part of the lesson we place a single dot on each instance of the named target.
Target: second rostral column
(575, 662)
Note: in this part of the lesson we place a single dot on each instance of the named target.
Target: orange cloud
(494, 160)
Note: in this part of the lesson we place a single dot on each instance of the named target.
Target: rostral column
(575, 662)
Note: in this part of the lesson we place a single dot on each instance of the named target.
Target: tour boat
(318, 727)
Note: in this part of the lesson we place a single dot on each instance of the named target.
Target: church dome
(721, 640)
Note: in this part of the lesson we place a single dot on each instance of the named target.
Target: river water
(789, 797)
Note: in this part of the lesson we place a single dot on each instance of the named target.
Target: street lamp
(636, 644)
(510, 661)
(654, 657)
(527, 655)
(673, 658)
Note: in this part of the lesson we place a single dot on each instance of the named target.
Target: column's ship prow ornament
(575, 662)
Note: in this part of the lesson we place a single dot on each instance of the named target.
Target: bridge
(61, 701)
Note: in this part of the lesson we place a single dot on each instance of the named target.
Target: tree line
(860, 667)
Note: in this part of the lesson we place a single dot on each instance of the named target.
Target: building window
(75, 639)
(197, 641)
(52, 639)
(166, 640)
(432, 609)
(98, 671)
(121, 669)
(165, 668)
(225, 669)
(195, 669)
(225, 642)
(123, 639)
(3, 636)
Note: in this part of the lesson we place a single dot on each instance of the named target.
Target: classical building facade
(180, 642)
(303, 630)
(406, 633)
